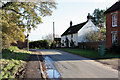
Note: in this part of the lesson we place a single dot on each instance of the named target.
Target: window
(114, 20)
(114, 37)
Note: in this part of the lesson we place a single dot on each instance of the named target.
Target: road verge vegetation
(90, 53)
(13, 63)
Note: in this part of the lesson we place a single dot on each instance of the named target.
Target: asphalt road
(74, 66)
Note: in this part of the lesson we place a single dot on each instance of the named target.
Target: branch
(15, 11)
(8, 4)
(5, 5)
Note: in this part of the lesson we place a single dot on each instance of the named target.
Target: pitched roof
(114, 7)
(74, 29)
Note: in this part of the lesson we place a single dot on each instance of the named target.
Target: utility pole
(53, 31)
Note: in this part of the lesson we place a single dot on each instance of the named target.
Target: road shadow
(56, 56)
(60, 55)
(64, 56)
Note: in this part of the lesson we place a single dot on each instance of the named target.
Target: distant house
(113, 25)
(76, 33)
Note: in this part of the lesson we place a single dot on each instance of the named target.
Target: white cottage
(76, 33)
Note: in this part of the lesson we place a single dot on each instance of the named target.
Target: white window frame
(114, 36)
(114, 19)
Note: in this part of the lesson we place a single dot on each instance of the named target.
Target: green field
(12, 61)
(90, 53)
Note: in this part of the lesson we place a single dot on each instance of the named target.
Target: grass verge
(90, 53)
(13, 63)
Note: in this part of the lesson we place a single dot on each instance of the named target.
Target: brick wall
(109, 28)
(119, 27)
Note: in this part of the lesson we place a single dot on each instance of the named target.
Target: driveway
(74, 66)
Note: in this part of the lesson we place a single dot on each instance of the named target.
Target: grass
(90, 53)
(12, 62)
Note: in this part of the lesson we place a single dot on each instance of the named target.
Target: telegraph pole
(53, 31)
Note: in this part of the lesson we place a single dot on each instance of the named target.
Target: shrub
(115, 48)
(39, 44)
(46, 44)
(13, 48)
(53, 45)
(95, 36)
(12, 63)
(103, 30)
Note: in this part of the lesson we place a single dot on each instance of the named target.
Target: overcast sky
(68, 10)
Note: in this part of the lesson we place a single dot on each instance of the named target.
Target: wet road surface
(74, 66)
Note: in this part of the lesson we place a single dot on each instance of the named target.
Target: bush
(95, 36)
(53, 45)
(46, 44)
(12, 63)
(13, 48)
(115, 48)
(39, 44)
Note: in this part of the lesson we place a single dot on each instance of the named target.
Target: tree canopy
(16, 15)
(98, 17)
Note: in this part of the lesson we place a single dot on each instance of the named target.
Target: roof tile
(74, 29)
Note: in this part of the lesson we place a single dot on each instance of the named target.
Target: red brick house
(113, 25)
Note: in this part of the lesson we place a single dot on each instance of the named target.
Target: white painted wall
(63, 38)
(86, 29)
(75, 39)
(80, 36)
(69, 38)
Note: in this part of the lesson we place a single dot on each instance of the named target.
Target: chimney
(88, 17)
(70, 23)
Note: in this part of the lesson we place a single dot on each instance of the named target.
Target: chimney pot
(70, 23)
(88, 17)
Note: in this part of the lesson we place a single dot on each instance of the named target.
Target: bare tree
(49, 37)
(95, 36)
